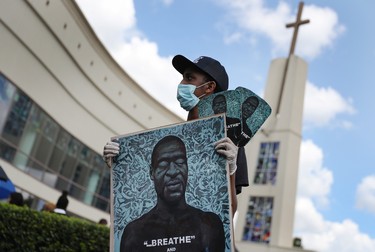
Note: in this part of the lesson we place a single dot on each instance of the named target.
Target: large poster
(170, 190)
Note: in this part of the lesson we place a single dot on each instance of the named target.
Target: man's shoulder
(210, 223)
(213, 217)
(139, 222)
(132, 227)
(206, 216)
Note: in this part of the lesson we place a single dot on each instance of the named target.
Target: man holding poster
(201, 78)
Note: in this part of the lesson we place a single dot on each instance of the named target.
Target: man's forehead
(167, 148)
(194, 70)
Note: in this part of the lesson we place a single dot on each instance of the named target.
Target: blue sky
(335, 209)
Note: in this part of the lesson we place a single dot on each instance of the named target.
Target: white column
(284, 128)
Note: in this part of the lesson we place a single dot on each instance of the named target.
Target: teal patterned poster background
(133, 190)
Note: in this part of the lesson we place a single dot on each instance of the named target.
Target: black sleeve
(242, 179)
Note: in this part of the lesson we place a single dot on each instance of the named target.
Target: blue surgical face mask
(185, 95)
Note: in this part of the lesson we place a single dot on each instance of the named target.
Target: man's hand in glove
(227, 148)
(111, 150)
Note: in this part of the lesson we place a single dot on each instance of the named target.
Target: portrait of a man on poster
(170, 190)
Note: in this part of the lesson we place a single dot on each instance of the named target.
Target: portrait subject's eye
(163, 164)
(180, 161)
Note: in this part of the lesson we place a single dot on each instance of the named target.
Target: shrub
(24, 229)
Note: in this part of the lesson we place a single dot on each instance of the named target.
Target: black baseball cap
(208, 65)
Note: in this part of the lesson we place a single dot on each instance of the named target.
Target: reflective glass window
(17, 117)
(36, 144)
(266, 170)
(7, 152)
(7, 90)
(258, 220)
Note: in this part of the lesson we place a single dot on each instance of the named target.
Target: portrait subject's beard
(174, 191)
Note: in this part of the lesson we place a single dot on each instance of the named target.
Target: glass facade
(258, 220)
(34, 143)
(266, 170)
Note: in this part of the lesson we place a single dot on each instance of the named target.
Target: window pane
(81, 174)
(103, 190)
(35, 170)
(7, 90)
(74, 147)
(63, 140)
(266, 170)
(101, 204)
(66, 173)
(36, 118)
(258, 220)
(59, 151)
(86, 155)
(17, 117)
(76, 192)
(62, 184)
(50, 129)
(29, 139)
(57, 157)
(92, 183)
(7, 152)
(45, 141)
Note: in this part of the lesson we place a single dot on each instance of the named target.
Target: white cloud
(365, 197)
(254, 17)
(316, 232)
(314, 180)
(322, 107)
(308, 219)
(141, 60)
(114, 21)
(233, 37)
(167, 2)
(321, 32)
(325, 236)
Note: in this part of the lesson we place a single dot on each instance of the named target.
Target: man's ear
(211, 86)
